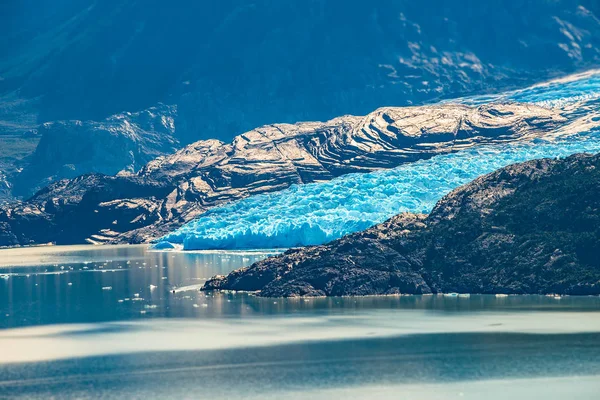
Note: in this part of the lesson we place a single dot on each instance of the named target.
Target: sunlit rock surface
(530, 228)
(173, 190)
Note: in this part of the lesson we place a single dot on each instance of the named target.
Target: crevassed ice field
(317, 213)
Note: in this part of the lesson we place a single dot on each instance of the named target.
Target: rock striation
(530, 228)
(172, 190)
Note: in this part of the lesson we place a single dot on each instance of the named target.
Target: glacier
(316, 213)
(556, 93)
(320, 212)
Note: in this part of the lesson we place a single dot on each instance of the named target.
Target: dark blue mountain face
(231, 65)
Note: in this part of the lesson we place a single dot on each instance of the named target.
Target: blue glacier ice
(317, 213)
(560, 93)
(320, 212)
(557, 93)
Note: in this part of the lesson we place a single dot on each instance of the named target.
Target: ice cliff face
(318, 213)
(173, 190)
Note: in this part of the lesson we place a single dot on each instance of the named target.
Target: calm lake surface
(127, 322)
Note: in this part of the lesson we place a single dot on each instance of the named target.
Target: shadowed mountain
(233, 65)
(122, 142)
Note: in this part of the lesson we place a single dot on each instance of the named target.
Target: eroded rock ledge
(172, 190)
(530, 228)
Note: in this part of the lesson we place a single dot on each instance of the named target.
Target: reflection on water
(125, 322)
(88, 284)
(418, 367)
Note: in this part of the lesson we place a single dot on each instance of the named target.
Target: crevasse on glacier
(317, 213)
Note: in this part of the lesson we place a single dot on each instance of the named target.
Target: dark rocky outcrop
(530, 228)
(172, 190)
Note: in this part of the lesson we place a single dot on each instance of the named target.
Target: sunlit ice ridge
(320, 212)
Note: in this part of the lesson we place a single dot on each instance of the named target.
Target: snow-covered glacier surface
(317, 213)
(557, 93)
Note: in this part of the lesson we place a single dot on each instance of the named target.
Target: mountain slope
(527, 228)
(172, 190)
(125, 141)
(232, 65)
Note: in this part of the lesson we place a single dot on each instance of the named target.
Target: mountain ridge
(231, 66)
(172, 190)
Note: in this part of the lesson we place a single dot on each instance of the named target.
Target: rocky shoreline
(529, 228)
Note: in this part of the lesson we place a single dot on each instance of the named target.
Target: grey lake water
(126, 322)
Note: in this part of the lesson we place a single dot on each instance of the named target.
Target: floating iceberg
(163, 246)
(317, 213)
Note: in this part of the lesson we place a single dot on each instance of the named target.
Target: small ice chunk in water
(152, 287)
(107, 288)
(163, 245)
(70, 283)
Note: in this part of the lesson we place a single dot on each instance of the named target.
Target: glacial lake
(127, 322)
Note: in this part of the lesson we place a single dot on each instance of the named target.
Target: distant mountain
(231, 65)
(530, 228)
(172, 190)
(123, 142)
